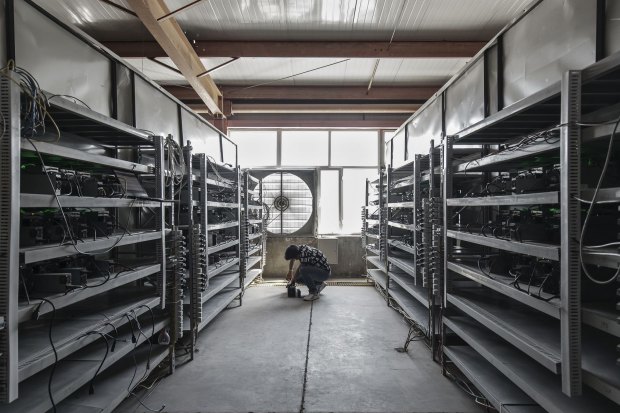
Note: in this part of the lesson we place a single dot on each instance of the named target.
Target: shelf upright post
(384, 216)
(244, 224)
(417, 216)
(570, 266)
(193, 259)
(204, 216)
(239, 220)
(160, 193)
(446, 192)
(263, 238)
(9, 237)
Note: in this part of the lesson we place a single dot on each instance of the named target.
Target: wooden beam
(170, 38)
(307, 93)
(315, 123)
(210, 48)
(377, 107)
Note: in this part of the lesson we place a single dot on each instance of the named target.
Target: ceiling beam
(172, 41)
(307, 93)
(210, 48)
(377, 107)
(324, 121)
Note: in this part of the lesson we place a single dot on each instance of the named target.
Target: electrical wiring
(51, 341)
(91, 387)
(591, 207)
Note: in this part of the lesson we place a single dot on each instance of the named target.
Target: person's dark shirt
(312, 256)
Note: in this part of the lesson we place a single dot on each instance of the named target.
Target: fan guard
(289, 202)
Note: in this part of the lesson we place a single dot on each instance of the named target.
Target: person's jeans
(311, 276)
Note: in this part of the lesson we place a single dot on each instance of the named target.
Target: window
(305, 148)
(354, 148)
(256, 148)
(353, 197)
(329, 204)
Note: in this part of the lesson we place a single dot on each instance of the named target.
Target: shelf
(251, 276)
(35, 352)
(213, 271)
(62, 300)
(217, 284)
(401, 245)
(49, 201)
(551, 252)
(512, 159)
(111, 386)
(378, 277)
(377, 263)
(411, 306)
(404, 264)
(212, 227)
(31, 255)
(222, 184)
(502, 284)
(252, 261)
(259, 207)
(76, 371)
(82, 121)
(604, 195)
(217, 304)
(216, 204)
(372, 249)
(409, 227)
(255, 221)
(544, 387)
(47, 148)
(534, 334)
(375, 236)
(501, 393)
(408, 284)
(602, 316)
(372, 221)
(402, 183)
(604, 257)
(254, 236)
(409, 204)
(222, 246)
(254, 250)
(520, 199)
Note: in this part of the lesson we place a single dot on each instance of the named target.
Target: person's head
(291, 253)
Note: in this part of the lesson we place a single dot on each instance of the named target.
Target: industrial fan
(289, 202)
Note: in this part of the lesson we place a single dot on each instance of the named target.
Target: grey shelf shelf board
(377, 263)
(49, 201)
(62, 300)
(372, 249)
(535, 249)
(31, 255)
(252, 261)
(76, 371)
(221, 184)
(516, 199)
(534, 334)
(602, 316)
(48, 148)
(376, 236)
(212, 227)
(255, 250)
(410, 305)
(35, 352)
(255, 221)
(372, 222)
(111, 386)
(512, 159)
(222, 246)
(217, 304)
(544, 387)
(251, 276)
(259, 207)
(216, 204)
(401, 245)
(213, 271)
(409, 227)
(404, 264)
(409, 204)
(378, 277)
(407, 283)
(501, 284)
(501, 393)
(254, 236)
(76, 118)
(604, 257)
(217, 284)
(604, 195)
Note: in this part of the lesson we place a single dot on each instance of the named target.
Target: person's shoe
(311, 297)
(320, 287)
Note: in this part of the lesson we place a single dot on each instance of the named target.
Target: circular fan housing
(289, 201)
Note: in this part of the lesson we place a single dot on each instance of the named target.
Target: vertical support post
(240, 254)
(161, 218)
(417, 235)
(9, 238)
(244, 222)
(570, 268)
(446, 192)
(204, 220)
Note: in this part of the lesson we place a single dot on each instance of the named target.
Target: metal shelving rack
(555, 344)
(253, 229)
(374, 230)
(111, 303)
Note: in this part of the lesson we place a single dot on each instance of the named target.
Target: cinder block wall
(350, 256)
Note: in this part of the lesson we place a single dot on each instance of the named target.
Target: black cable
(91, 388)
(51, 340)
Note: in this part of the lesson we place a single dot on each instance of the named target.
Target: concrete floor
(253, 359)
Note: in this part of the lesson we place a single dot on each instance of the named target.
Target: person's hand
(289, 276)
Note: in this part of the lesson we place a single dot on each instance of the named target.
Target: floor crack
(302, 408)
